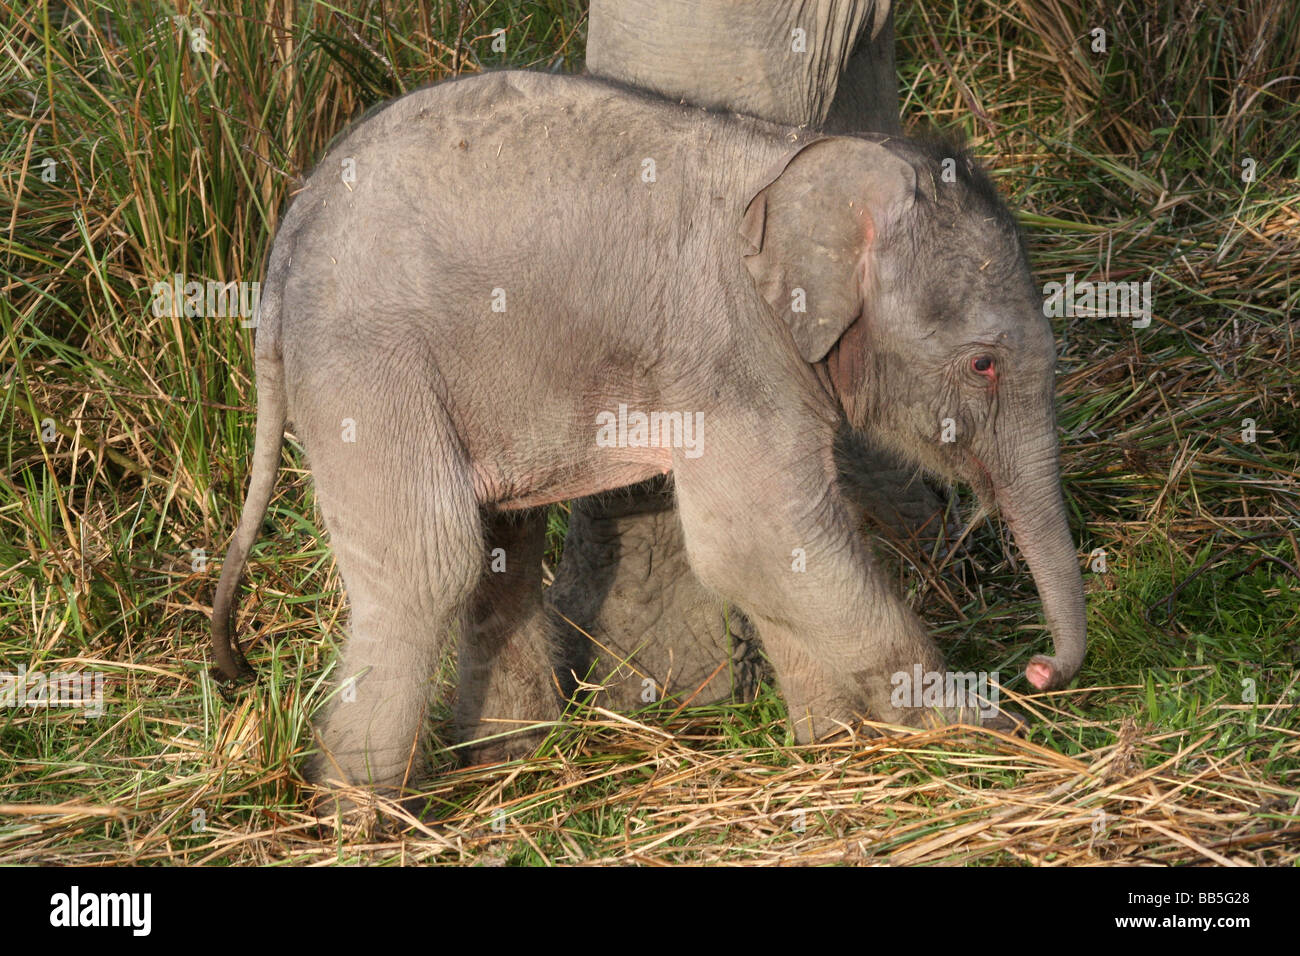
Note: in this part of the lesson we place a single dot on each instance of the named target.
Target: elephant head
(905, 281)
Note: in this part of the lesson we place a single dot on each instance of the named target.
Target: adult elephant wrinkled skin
(522, 269)
(826, 64)
(625, 610)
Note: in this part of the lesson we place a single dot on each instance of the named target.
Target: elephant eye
(983, 364)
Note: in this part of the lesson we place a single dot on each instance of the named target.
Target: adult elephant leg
(505, 679)
(867, 96)
(629, 615)
(780, 60)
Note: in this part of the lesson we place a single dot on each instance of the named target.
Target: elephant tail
(272, 411)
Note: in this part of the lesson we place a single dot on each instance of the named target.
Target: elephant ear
(811, 229)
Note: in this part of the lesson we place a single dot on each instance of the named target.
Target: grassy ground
(127, 437)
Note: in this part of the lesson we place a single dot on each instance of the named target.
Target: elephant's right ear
(811, 230)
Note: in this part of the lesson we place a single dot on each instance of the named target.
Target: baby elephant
(513, 289)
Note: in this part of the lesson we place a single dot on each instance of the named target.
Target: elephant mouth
(976, 474)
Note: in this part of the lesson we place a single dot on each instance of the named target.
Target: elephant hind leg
(406, 532)
(505, 681)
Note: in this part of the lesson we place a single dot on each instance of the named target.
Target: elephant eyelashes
(983, 365)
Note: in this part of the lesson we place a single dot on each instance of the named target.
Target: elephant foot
(351, 813)
(943, 698)
(517, 746)
(1004, 721)
(828, 729)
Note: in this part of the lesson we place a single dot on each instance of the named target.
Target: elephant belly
(497, 489)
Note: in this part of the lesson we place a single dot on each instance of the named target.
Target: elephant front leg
(782, 543)
(506, 683)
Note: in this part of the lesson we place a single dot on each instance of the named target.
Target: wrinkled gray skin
(624, 607)
(824, 63)
(435, 425)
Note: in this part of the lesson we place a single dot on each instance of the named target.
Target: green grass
(1125, 165)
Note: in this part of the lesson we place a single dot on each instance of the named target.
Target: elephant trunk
(1032, 505)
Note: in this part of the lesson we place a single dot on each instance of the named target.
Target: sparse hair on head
(973, 197)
